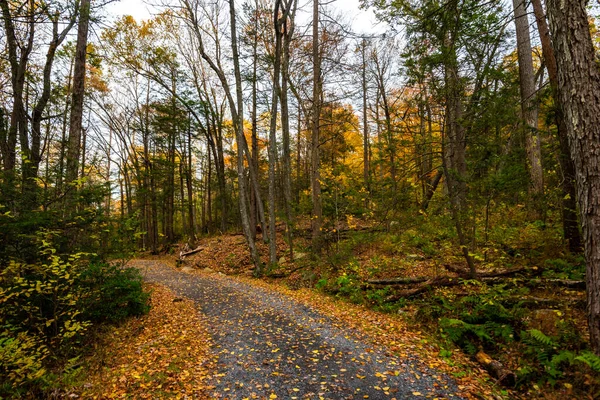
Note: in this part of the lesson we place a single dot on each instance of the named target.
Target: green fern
(540, 338)
(564, 356)
(589, 358)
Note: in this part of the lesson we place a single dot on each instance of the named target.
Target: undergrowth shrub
(489, 319)
(561, 268)
(479, 320)
(46, 311)
(550, 359)
(115, 293)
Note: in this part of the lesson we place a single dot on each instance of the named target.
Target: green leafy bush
(115, 293)
(46, 310)
(549, 360)
(571, 268)
(41, 317)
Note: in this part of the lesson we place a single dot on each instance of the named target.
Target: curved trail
(270, 346)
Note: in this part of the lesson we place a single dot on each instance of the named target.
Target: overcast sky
(362, 21)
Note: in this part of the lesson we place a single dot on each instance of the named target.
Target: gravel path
(270, 346)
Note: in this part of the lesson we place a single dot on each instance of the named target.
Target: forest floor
(215, 331)
(162, 355)
(252, 339)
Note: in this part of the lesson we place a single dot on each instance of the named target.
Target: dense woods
(467, 134)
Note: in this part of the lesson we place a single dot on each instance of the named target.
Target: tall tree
(579, 91)
(277, 25)
(76, 119)
(287, 31)
(317, 208)
(569, 201)
(21, 28)
(365, 118)
(529, 107)
(455, 165)
(237, 108)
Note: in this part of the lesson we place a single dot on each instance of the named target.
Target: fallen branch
(495, 368)
(567, 283)
(285, 274)
(397, 281)
(463, 272)
(424, 287)
(538, 302)
(189, 253)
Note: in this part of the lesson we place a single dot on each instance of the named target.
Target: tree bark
(569, 202)
(32, 151)
(18, 57)
(431, 187)
(287, 32)
(455, 146)
(317, 209)
(366, 145)
(529, 107)
(76, 119)
(277, 24)
(239, 125)
(254, 116)
(579, 90)
(189, 186)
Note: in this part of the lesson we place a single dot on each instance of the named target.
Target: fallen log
(425, 286)
(539, 302)
(397, 281)
(567, 283)
(495, 368)
(508, 272)
(463, 272)
(189, 253)
(457, 270)
(528, 302)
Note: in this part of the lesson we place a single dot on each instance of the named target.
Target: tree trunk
(75, 125)
(317, 209)
(365, 121)
(273, 131)
(288, 32)
(189, 186)
(32, 152)
(254, 115)
(569, 202)
(579, 90)
(455, 145)
(18, 57)
(529, 107)
(239, 125)
(431, 187)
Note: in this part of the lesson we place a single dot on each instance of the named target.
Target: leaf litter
(162, 355)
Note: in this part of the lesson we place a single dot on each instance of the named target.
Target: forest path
(270, 346)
